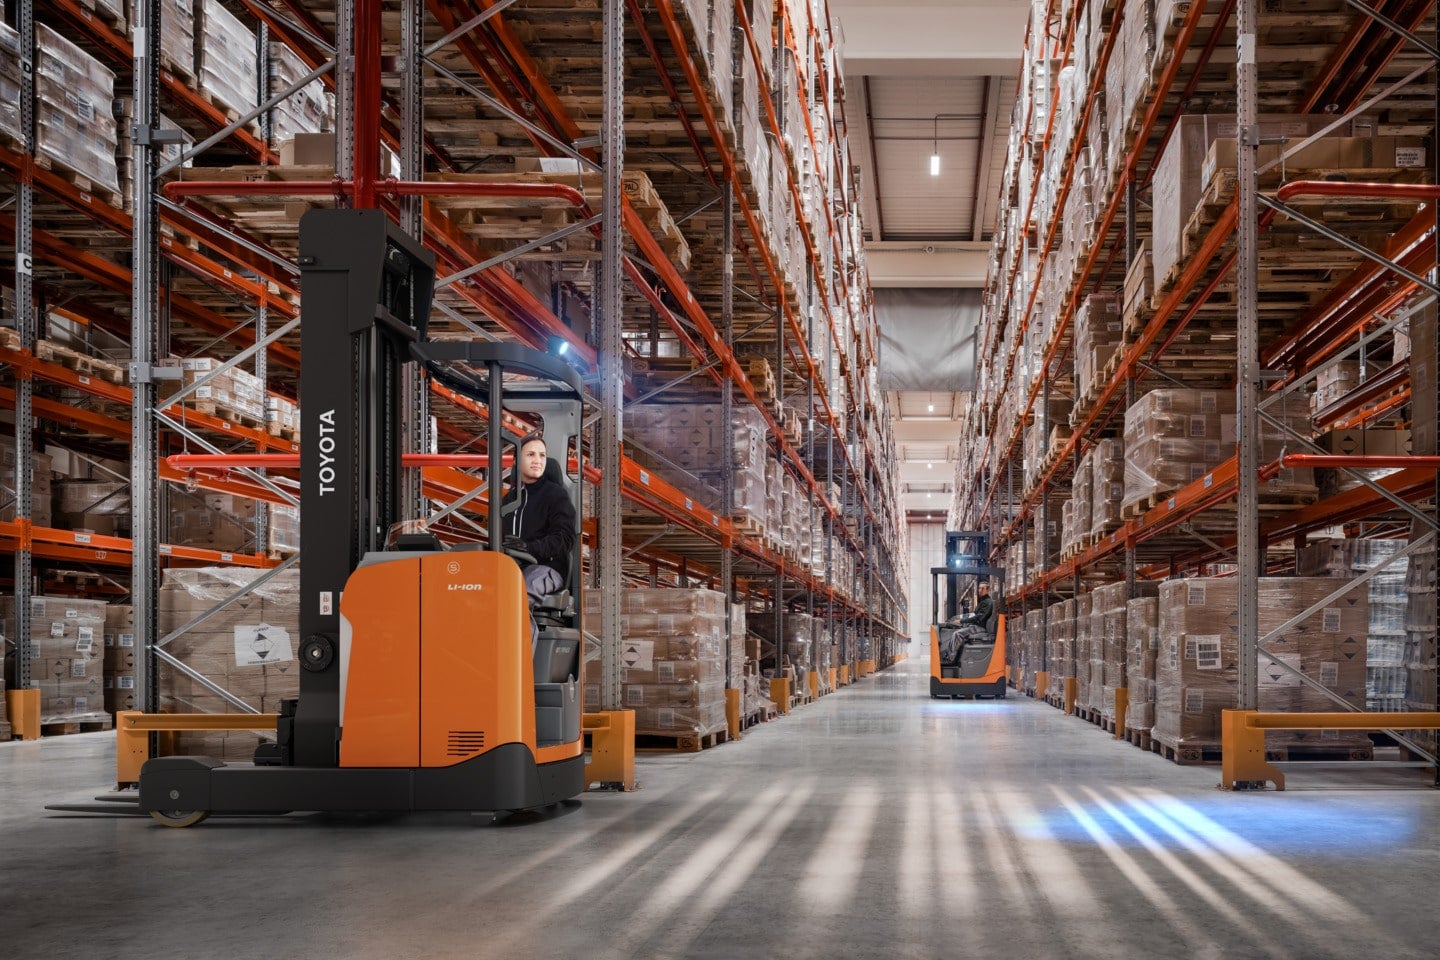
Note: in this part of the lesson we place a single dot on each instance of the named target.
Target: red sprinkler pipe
(365, 113)
(291, 461)
(1340, 188)
(1340, 462)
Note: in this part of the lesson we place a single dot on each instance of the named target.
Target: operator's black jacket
(984, 608)
(545, 520)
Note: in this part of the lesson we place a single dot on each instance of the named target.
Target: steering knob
(317, 653)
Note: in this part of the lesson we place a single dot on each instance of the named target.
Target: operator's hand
(514, 543)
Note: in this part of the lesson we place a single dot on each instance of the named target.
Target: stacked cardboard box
(67, 639)
(225, 58)
(177, 35)
(100, 506)
(1196, 671)
(74, 119)
(1107, 486)
(1385, 672)
(282, 418)
(1060, 645)
(1097, 337)
(10, 83)
(41, 490)
(1174, 437)
(1083, 655)
(284, 529)
(212, 521)
(248, 648)
(691, 438)
(1110, 637)
(120, 653)
(799, 630)
(1420, 633)
(304, 111)
(1142, 646)
(673, 656)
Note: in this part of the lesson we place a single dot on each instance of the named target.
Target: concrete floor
(874, 823)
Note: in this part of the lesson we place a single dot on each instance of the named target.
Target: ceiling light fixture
(931, 408)
(935, 149)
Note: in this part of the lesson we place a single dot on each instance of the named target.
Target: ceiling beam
(900, 264)
(897, 38)
(985, 155)
(871, 207)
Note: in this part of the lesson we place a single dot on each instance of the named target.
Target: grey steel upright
(612, 371)
(1247, 517)
(144, 349)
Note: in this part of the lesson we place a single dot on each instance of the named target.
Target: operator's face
(532, 461)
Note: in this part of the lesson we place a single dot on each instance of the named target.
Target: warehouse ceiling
(928, 77)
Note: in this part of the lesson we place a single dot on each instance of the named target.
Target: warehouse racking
(1302, 255)
(663, 186)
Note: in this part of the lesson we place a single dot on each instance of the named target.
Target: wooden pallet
(6, 732)
(81, 363)
(1187, 754)
(674, 743)
(1140, 738)
(749, 526)
(63, 728)
(80, 181)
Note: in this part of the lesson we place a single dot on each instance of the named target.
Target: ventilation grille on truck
(465, 743)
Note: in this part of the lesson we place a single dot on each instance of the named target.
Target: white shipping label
(1208, 402)
(1195, 595)
(1275, 675)
(1173, 654)
(86, 635)
(1409, 156)
(57, 628)
(667, 718)
(77, 668)
(665, 671)
(125, 683)
(634, 696)
(1330, 673)
(1330, 620)
(127, 639)
(257, 644)
(1199, 424)
(1194, 701)
(82, 704)
(72, 614)
(638, 654)
(1190, 648)
(1207, 653)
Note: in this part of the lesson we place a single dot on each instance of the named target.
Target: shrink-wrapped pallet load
(120, 653)
(306, 110)
(672, 659)
(1385, 670)
(226, 63)
(75, 128)
(1142, 646)
(41, 489)
(1196, 674)
(248, 649)
(1174, 437)
(67, 656)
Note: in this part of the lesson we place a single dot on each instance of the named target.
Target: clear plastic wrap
(67, 656)
(1196, 672)
(248, 648)
(1087, 696)
(1386, 676)
(212, 521)
(304, 111)
(9, 83)
(226, 63)
(41, 491)
(74, 118)
(1097, 336)
(1174, 437)
(673, 659)
(690, 438)
(1107, 486)
(120, 658)
(1060, 644)
(1142, 645)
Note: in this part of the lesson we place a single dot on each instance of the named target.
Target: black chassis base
(967, 688)
(504, 778)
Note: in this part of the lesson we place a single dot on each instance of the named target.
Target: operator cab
(966, 659)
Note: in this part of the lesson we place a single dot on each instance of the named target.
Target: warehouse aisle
(874, 823)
